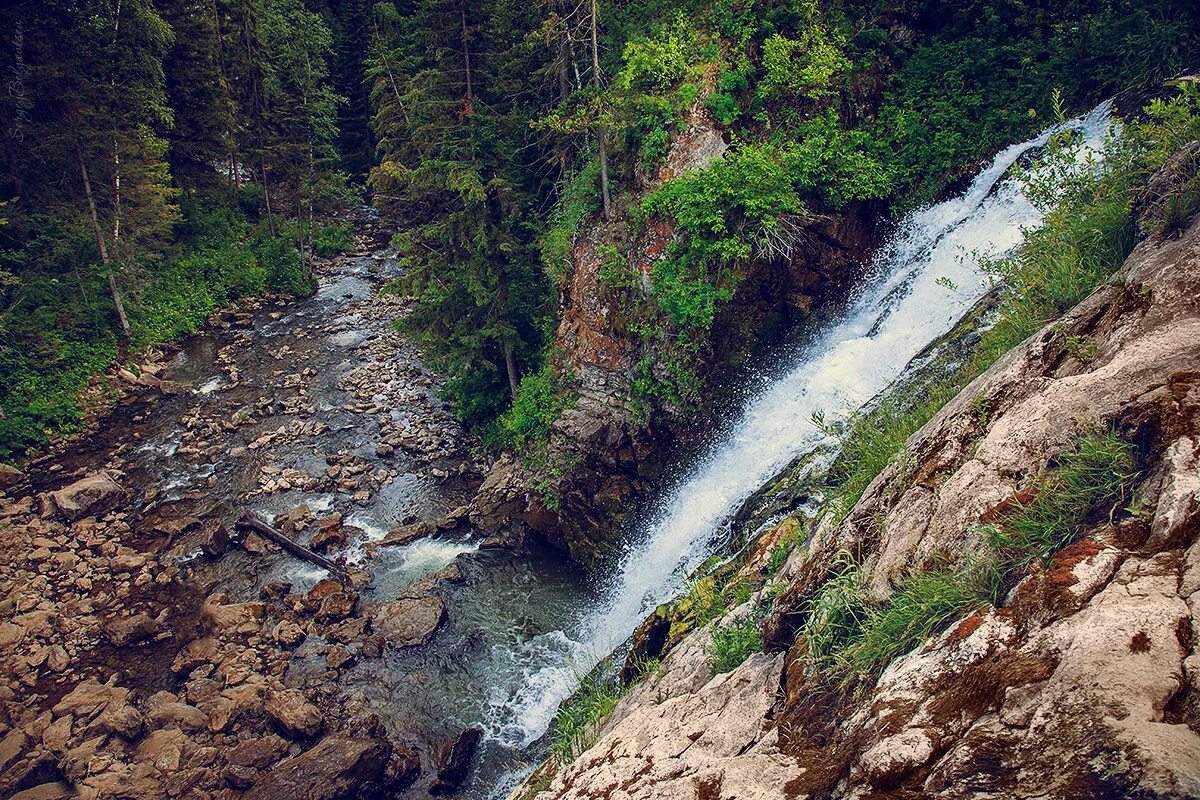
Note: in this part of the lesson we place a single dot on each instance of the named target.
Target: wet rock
(293, 713)
(90, 496)
(337, 605)
(338, 767)
(338, 656)
(406, 534)
(134, 629)
(215, 540)
(410, 621)
(330, 534)
(288, 633)
(454, 761)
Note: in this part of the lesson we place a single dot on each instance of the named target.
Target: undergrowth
(851, 637)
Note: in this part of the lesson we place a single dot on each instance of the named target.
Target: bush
(527, 421)
(333, 239)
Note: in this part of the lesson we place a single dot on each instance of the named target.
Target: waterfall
(921, 283)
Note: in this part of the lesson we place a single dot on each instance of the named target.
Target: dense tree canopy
(163, 156)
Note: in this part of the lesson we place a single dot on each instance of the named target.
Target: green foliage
(527, 421)
(779, 552)
(982, 77)
(576, 202)
(804, 67)
(1094, 476)
(333, 239)
(579, 719)
(733, 643)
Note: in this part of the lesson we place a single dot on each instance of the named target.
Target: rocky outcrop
(607, 447)
(1083, 682)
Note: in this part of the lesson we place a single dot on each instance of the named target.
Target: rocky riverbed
(153, 648)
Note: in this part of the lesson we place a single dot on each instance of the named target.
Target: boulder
(9, 476)
(454, 761)
(410, 621)
(288, 633)
(337, 768)
(194, 653)
(88, 497)
(294, 714)
(140, 627)
(55, 790)
(406, 534)
(215, 540)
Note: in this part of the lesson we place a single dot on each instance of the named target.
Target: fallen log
(252, 522)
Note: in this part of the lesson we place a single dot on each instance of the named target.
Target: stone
(232, 703)
(236, 618)
(454, 761)
(410, 621)
(337, 767)
(178, 715)
(258, 752)
(87, 497)
(215, 540)
(337, 605)
(12, 746)
(88, 697)
(293, 713)
(196, 652)
(288, 633)
(9, 476)
(140, 627)
(55, 790)
(407, 534)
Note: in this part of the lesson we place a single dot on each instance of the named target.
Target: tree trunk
(600, 134)
(103, 248)
(510, 365)
(467, 61)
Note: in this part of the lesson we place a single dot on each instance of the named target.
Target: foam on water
(924, 279)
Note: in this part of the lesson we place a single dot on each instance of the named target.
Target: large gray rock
(88, 497)
(410, 621)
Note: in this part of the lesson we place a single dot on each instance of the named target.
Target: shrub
(527, 421)
(333, 239)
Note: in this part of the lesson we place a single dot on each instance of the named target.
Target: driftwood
(252, 522)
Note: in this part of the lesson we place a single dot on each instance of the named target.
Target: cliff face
(1083, 682)
(608, 446)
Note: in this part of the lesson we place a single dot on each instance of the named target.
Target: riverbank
(151, 648)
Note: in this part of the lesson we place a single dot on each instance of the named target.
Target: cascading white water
(924, 279)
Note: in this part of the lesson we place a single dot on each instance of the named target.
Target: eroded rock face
(1085, 683)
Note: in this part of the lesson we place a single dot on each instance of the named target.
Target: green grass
(851, 638)
(733, 643)
(578, 721)
(1095, 476)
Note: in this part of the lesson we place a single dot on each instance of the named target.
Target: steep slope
(1083, 681)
